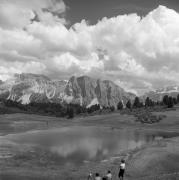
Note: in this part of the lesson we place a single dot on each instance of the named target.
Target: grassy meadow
(157, 160)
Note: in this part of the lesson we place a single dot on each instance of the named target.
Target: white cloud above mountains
(138, 53)
(20, 13)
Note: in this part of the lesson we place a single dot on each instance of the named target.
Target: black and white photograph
(89, 89)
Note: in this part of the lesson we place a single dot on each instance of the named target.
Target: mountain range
(84, 90)
(157, 95)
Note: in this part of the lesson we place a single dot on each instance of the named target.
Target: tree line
(70, 110)
(167, 101)
(46, 108)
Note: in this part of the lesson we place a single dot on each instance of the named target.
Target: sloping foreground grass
(169, 176)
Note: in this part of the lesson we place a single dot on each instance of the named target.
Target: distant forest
(70, 110)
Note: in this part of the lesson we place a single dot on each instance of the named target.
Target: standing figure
(90, 176)
(109, 175)
(122, 169)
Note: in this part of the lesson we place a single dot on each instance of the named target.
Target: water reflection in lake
(79, 144)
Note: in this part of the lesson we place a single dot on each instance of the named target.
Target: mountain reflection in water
(78, 144)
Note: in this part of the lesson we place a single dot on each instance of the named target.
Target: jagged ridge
(84, 90)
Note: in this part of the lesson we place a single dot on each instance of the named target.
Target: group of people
(109, 176)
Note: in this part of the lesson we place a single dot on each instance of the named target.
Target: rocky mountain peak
(83, 90)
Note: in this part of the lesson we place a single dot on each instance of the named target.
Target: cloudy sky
(135, 43)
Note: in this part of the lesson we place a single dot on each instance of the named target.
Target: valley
(56, 129)
(33, 163)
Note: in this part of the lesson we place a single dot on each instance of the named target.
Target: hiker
(90, 176)
(122, 169)
(109, 175)
(97, 176)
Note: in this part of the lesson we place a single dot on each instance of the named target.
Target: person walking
(122, 169)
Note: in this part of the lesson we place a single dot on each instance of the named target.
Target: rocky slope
(88, 91)
(26, 88)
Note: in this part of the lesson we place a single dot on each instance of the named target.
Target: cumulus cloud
(138, 53)
(20, 13)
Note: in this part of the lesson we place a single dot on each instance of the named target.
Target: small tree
(141, 104)
(128, 104)
(170, 102)
(174, 100)
(120, 105)
(78, 109)
(178, 98)
(147, 102)
(93, 108)
(137, 103)
(64, 111)
(112, 108)
(70, 112)
(165, 100)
